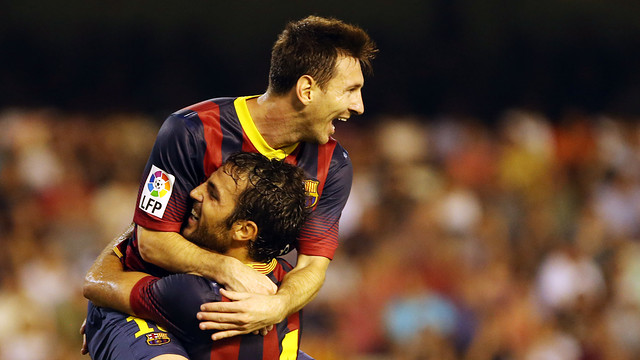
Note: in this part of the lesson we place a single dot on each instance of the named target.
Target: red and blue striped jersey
(173, 302)
(193, 142)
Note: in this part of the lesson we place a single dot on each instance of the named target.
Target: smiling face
(338, 101)
(214, 201)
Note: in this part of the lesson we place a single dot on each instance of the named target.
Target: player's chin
(189, 229)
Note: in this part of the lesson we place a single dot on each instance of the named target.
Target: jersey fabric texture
(112, 335)
(175, 300)
(193, 142)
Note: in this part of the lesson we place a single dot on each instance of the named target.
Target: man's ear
(244, 230)
(304, 89)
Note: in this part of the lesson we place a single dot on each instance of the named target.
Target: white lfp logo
(157, 191)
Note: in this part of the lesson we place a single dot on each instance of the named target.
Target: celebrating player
(315, 78)
(251, 209)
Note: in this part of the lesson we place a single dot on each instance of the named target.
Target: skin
(214, 201)
(251, 311)
(306, 113)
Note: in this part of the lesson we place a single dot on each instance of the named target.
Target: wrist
(218, 268)
(280, 306)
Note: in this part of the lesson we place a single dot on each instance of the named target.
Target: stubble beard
(209, 238)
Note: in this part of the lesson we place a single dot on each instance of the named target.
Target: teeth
(194, 214)
(342, 119)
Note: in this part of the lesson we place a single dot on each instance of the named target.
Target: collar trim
(254, 136)
(264, 268)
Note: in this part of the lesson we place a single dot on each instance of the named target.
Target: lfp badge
(156, 192)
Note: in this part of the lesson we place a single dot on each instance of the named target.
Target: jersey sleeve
(175, 166)
(319, 235)
(173, 301)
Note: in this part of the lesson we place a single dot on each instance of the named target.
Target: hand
(246, 313)
(85, 348)
(244, 279)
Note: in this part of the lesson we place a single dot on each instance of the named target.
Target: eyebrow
(213, 189)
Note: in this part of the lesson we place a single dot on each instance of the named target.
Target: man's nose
(357, 106)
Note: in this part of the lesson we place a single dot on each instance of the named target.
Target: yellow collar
(263, 268)
(255, 137)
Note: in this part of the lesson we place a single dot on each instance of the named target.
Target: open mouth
(194, 215)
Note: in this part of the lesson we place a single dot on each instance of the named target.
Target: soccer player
(251, 209)
(315, 79)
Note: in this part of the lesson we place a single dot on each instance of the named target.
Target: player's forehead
(348, 72)
(228, 178)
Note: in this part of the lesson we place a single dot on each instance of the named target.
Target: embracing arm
(251, 312)
(106, 283)
(174, 253)
(302, 284)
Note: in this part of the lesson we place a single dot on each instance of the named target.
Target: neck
(240, 253)
(275, 117)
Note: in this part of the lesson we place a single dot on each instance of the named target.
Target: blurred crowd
(462, 239)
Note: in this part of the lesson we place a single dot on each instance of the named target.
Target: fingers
(220, 307)
(84, 350)
(226, 334)
(230, 333)
(214, 321)
(234, 295)
(265, 331)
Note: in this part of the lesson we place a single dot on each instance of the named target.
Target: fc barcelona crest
(311, 191)
(158, 338)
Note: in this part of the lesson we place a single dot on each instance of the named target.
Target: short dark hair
(311, 46)
(274, 199)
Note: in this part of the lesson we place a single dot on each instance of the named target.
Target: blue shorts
(113, 335)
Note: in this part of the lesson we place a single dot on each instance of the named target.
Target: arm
(106, 283)
(251, 312)
(173, 252)
(171, 301)
(178, 156)
(316, 246)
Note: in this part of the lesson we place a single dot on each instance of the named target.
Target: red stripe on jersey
(293, 157)
(209, 114)
(319, 237)
(175, 210)
(228, 348)
(271, 346)
(325, 152)
(293, 323)
(247, 145)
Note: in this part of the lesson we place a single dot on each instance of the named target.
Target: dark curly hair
(274, 199)
(311, 46)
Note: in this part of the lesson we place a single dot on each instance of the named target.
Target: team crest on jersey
(156, 192)
(158, 338)
(311, 191)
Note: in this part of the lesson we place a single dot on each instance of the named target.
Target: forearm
(107, 284)
(174, 253)
(302, 284)
(171, 251)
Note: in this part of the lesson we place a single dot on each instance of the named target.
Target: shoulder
(194, 117)
(205, 107)
(336, 154)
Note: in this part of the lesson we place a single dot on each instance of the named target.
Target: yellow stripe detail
(143, 326)
(264, 268)
(290, 346)
(117, 251)
(256, 138)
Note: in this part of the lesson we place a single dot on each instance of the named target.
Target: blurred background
(495, 212)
